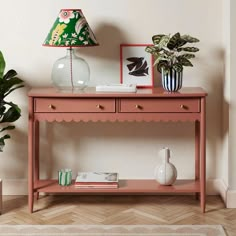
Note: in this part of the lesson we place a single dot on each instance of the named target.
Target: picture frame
(136, 65)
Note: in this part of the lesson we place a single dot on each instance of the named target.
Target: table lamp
(70, 30)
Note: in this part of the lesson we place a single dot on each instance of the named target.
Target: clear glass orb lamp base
(70, 72)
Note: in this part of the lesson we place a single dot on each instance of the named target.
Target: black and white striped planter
(172, 81)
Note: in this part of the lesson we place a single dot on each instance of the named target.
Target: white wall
(130, 148)
(232, 107)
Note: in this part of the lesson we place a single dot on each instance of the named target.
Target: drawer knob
(138, 107)
(99, 106)
(183, 107)
(51, 107)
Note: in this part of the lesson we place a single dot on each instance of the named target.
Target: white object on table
(130, 88)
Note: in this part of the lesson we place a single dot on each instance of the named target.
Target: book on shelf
(98, 186)
(97, 180)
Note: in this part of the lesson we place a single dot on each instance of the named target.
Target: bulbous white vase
(166, 173)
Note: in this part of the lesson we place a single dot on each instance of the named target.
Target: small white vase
(166, 173)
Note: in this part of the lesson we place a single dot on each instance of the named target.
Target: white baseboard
(231, 199)
(217, 187)
(14, 186)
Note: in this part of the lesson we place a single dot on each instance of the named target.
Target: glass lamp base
(70, 72)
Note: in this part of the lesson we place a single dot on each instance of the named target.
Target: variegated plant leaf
(163, 42)
(190, 49)
(157, 38)
(190, 39)
(184, 61)
(178, 67)
(160, 58)
(173, 42)
(162, 65)
(187, 56)
(152, 49)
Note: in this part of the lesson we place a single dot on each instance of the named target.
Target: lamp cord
(71, 73)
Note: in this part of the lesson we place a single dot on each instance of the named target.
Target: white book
(128, 88)
(97, 177)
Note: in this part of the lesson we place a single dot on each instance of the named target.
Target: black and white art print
(136, 65)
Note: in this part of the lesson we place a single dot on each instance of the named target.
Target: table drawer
(74, 105)
(159, 105)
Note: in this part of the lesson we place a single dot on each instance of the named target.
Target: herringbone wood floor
(118, 210)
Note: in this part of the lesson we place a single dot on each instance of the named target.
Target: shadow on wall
(214, 102)
(109, 37)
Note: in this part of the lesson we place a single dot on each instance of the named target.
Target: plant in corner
(9, 111)
(171, 54)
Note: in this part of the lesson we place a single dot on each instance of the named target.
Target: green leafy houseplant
(171, 52)
(9, 111)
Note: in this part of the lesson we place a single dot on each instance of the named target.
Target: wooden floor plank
(112, 210)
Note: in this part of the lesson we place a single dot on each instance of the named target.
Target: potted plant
(171, 54)
(9, 111)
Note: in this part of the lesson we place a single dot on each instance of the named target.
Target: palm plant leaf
(9, 74)
(2, 143)
(9, 112)
(9, 127)
(11, 115)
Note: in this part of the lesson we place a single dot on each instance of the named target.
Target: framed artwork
(136, 65)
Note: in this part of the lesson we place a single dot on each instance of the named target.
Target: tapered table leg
(203, 156)
(197, 153)
(30, 156)
(36, 154)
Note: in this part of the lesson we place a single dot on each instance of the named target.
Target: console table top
(91, 92)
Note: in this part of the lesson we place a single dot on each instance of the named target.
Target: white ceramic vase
(166, 173)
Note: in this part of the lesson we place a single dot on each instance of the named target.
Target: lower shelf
(134, 186)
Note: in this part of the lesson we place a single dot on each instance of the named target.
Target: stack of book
(97, 180)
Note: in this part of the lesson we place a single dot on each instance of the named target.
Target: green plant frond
(10, 127)
(157, 38)
(190, 39)
(11, 115)
(2, 142)
(2, 109)
(190, 49)
(2, 65)
(11, 90)
(10, 74)
(6, 85)
(14, 106)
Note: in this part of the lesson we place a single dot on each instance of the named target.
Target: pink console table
(48, 104)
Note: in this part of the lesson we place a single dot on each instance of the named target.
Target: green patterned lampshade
(70, 30)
